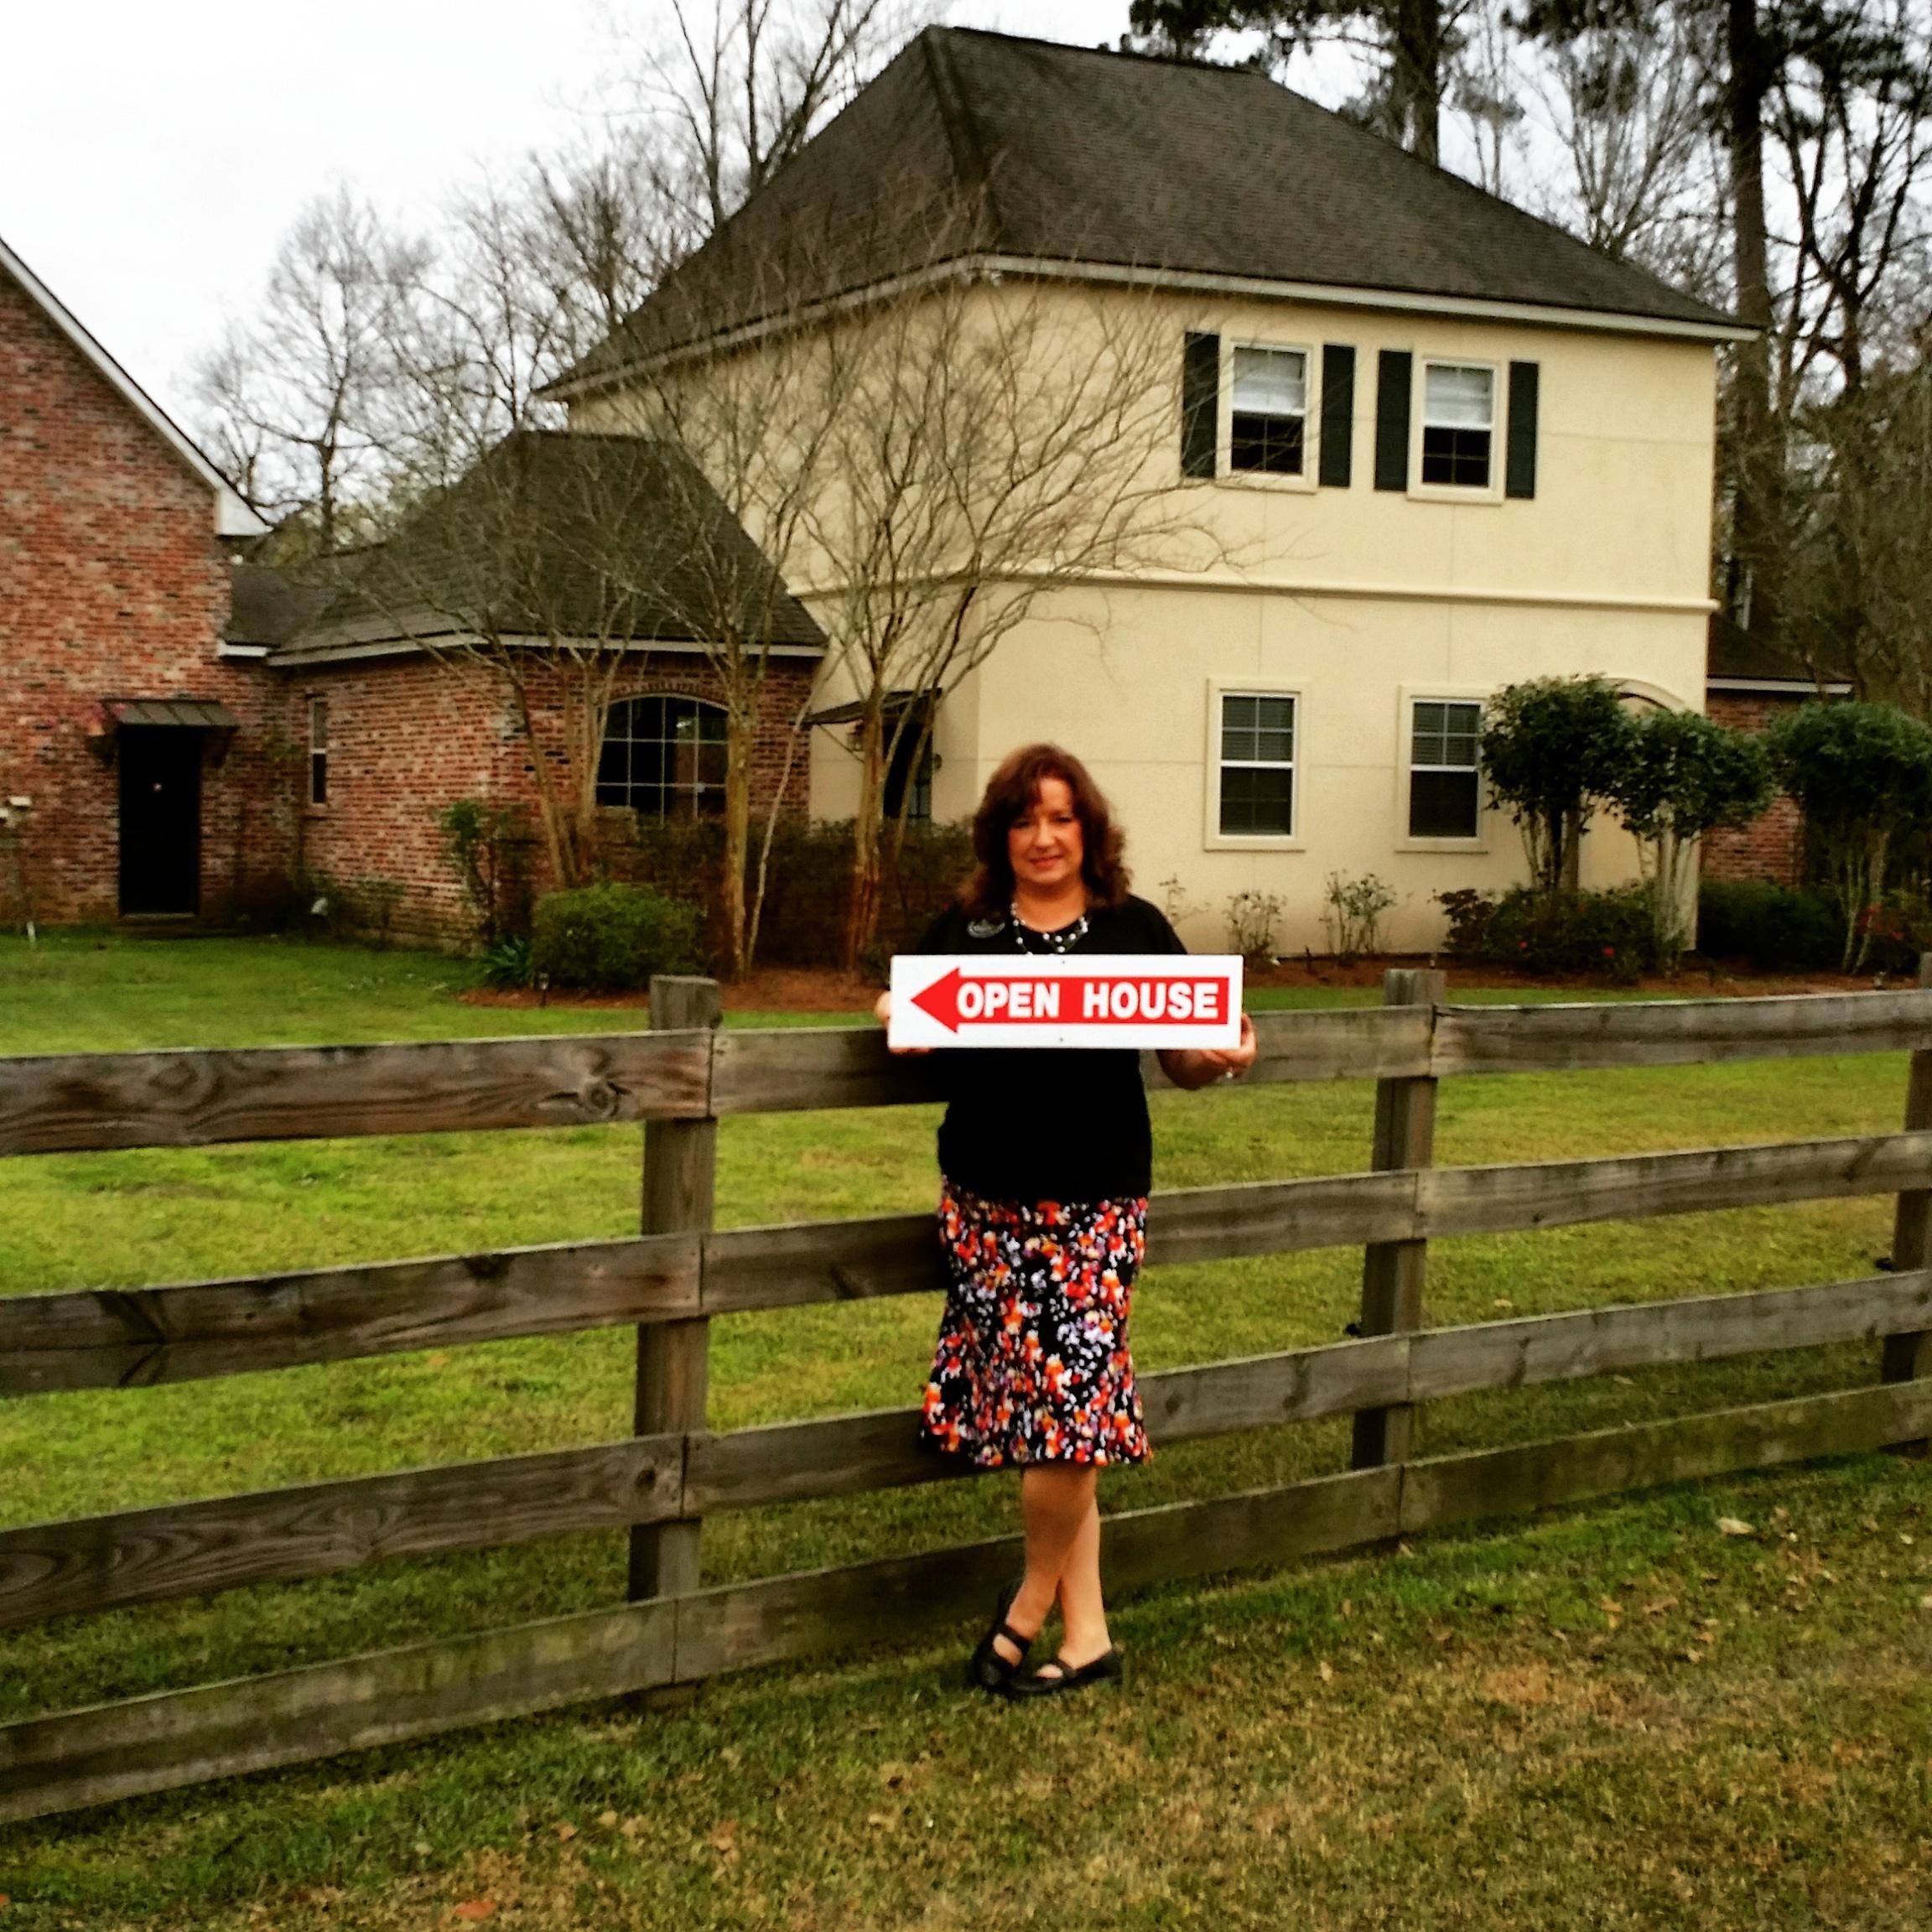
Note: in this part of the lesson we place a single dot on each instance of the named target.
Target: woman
(1045, 1157)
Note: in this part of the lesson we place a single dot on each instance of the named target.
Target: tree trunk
(739, 733)
(862, 908)
(1415, 82)
(1754, 590)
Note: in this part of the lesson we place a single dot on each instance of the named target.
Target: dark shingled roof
(267, 606)
(566, 535)
(1733, 652)
(974, 142)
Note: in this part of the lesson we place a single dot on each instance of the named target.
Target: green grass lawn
(1384, 1827)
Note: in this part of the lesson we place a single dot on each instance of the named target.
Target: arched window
(664, 757)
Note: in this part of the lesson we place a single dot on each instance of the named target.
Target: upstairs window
(318, 751)
(664, 757)
(1443, 772)
(1269, 427)
(1458, 424)
(1256, 765)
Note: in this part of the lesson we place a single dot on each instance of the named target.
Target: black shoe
(987, 1670)
(1105, 1669)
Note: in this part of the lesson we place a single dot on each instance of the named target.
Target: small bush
(507, 963)
(1608, 934)
(1353, 914)
(612, 938)
(1251, 917)
(1776, 927)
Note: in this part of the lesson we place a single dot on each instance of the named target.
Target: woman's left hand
(1203, 1065)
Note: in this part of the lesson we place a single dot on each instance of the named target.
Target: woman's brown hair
(1009, 793)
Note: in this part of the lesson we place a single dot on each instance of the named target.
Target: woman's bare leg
(1059, 1502)
(1083, 1613)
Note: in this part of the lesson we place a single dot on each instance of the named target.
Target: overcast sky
(152, 152)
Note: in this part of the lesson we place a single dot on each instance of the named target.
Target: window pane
(1458, 397)
(1442, 805)
(1445, 733)
(1258, 728)
(1456, 456)
(1257, 800)
(664, 757)
(1271, 443)
(1270, 381)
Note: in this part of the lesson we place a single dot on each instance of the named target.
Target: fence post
(1908, 1357)
(1392, 1271)
(680, 1172)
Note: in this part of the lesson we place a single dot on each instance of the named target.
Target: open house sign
(1075, 1000)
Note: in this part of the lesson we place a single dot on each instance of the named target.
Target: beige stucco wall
(1358, 600)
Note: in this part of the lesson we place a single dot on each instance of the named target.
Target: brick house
(1749, 683)
(563, 575)
(136, 737)
(193, 733)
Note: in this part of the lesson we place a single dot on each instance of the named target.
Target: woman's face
(1045, 843)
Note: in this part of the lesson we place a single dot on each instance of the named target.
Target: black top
(1046, 1123)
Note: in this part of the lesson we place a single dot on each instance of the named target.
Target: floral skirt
(1032, 1364)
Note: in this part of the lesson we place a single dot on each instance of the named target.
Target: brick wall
(410, 736)
(112, 584)
(1773, 845)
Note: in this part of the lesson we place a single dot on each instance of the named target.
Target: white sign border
(911, 1025)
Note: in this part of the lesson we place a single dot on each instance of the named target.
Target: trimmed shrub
(612, 938)
(808, 882)
(1776, 927)
(1609, 934)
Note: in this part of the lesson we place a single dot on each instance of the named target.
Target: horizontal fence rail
(140, 1556)
(171, 1739)
(70, 1103)
(130, 1338)
(661, 1483)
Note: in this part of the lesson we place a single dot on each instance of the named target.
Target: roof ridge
(1150, 57)
(970, 166)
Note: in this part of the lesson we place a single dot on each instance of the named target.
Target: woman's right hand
(882, 1012)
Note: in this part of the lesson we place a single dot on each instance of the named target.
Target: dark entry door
(160, 818)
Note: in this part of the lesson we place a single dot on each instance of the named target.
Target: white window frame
(1490, 492)
(1407, 699)
(318, 749)
(1224, 470)
(1213, 839)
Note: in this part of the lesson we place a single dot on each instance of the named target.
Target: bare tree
(296, 403)
(1624, 92)
(733, 90)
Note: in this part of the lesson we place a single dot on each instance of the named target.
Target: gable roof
(233, 517)
(1028, 152)
(557, 533)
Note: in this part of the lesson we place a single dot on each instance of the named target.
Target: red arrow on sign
(1110, 1000)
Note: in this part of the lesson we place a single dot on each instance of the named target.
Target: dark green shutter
(1200, 403)
(1519, 473)
(1392, 379)
(1337, 415)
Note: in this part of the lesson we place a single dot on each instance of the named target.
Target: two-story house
(1441, 446)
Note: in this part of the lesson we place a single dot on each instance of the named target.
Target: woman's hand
(882, 1012)
(1203, 1065)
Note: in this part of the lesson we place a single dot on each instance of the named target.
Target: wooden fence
(660, 1483)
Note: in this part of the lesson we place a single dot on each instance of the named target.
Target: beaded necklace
(1063, 939)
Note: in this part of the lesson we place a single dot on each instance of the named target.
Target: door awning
(191, 714)
(179, 714)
